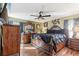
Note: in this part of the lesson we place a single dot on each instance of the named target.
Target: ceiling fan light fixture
(41, 16)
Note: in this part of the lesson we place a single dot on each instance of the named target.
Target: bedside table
(73, 44)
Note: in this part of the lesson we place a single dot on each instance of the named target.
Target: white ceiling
(57, 10)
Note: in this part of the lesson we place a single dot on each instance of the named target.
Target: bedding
(54, 37)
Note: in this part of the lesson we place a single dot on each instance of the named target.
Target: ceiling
(57, 10)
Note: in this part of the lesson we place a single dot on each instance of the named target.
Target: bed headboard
(56, 30)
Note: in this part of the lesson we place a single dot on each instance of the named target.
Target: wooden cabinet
(73, 44)
(27, 38)
(24, 39)
(11, 39)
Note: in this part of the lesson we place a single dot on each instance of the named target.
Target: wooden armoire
(10, 39)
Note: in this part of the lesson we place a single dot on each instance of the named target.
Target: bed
(53, 40)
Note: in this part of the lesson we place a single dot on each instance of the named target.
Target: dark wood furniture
(60, 46)
(27, 38)
(0, 40)
(11, 39)
(24, 39)
(73, 44)
(59, 37)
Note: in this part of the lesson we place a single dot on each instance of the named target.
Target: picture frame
(38, 26)
(46, 24)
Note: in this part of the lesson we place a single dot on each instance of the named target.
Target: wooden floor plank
(32, 51)
(67, 52)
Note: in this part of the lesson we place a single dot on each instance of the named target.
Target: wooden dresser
(73, 44)
(26, 38)
(11, 39)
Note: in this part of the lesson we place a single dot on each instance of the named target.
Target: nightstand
(73, 44)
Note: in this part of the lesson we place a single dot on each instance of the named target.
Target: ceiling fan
(41, 16)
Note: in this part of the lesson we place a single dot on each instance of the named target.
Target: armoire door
(11, 39)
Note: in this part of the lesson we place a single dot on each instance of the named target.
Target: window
(70, 28)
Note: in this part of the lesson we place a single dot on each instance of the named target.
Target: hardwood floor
(16, 54)
(28, 50)
(67, 52)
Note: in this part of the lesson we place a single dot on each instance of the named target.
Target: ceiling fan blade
(34, 15)
(42, 18)
(46, 16)
(39, 18)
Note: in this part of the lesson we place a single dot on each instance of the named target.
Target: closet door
(11, 39)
